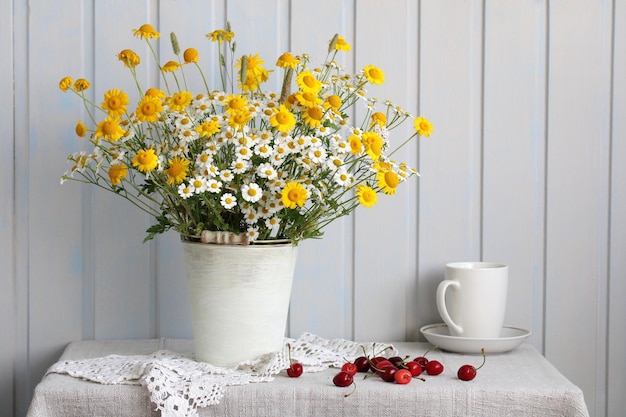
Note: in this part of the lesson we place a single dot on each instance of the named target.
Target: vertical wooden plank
(21, 373)
(450, 162)
(123, 266)
(260, 28)
(7, 242)
(514, 152)
(577, 194)
(385, 235)
(49, 253)
(173, 311)
(324, 266)
(616, 360)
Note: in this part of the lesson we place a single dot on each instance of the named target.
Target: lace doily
(179, 385)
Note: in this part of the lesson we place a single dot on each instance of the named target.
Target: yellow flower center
(148, 109)
(109, 128)
(309, 80)
(391, 179)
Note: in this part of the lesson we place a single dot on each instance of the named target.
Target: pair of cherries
(465, 372)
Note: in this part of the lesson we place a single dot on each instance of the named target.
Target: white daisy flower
(343, 177)
(228, 201)
(213, 186)
(266, 170)
(226, 175)
(317, 155)
(263, 149)
(199, 184)
(253, 233)
(272, 222)
(251, 192)
(185, 190)
(251, 217)
(239, 166)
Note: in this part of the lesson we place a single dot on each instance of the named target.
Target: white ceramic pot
(239, 299)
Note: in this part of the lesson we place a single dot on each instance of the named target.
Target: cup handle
(441, 304)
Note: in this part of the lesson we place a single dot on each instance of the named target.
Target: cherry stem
(353, 389)
(289, 353)
(484, 358)
(432, 348)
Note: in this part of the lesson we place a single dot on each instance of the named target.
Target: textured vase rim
(269, 242)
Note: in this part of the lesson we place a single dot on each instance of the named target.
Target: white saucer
(439, 335)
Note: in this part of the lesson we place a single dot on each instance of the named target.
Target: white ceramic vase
(239, 299)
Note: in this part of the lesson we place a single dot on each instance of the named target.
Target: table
(517, 383)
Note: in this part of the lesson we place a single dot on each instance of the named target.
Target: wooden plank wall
(526, 167)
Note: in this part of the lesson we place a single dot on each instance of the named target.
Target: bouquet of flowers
(240, 160)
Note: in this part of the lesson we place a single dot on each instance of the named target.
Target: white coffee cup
(472, 298)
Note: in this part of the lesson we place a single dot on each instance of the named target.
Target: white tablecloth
(518, 383)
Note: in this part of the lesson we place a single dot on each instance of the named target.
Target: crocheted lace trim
(179, 385)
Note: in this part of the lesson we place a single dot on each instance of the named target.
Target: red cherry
(362, 364)
(397, 361)
(422, 361)
(294, 370)
(403, 376)
(380, 365)
(388, 373)
(414, 368)
(376, 361)
(468, 372)
(343, 379)
(434, 368)
(350, 368)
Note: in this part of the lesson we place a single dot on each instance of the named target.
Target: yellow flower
(179, 101)
(287, 60)
(81, 85)
(80, 129)
(190, 55)
(388, 181)
(115, 102)
(282, 119)
(177, 170)
(342, 45)
(148, 109)
(235, 103)
(255, 74)
(308, 99)
(423, 127)
(145, 160)
(367, 196)
(117, 172)
(307, 82)
(238, 120)
(110, 129)
(373, 144)
(129, 58)
(170, 66)
(66, 83)
(374, 74)
(208, 128)
(146, 31)
(220, 35)
(333, 102)
(294, 194)
(356, 145)
(155, 92)
(313, 116)
(379, 119)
